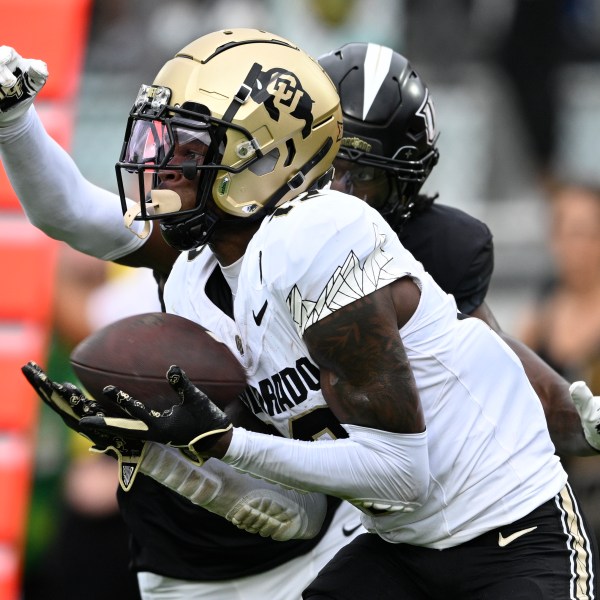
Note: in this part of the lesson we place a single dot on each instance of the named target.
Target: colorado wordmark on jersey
(489, 458)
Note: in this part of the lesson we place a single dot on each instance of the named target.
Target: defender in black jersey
(170, 536)
(388, 150)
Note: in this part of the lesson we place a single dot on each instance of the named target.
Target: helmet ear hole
(266, 164)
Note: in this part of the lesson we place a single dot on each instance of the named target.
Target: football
(135, 353)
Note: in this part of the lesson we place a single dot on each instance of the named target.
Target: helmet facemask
(406, 175)
(162, 140)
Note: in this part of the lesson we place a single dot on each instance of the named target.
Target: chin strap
(324, 180)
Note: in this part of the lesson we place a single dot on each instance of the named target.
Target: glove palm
(588, 408)
(71, 404)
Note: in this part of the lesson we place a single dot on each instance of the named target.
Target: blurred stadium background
(516, 86)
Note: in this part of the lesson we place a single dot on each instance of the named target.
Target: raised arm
(55, 196)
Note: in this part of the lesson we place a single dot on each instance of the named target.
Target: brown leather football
(134, 354)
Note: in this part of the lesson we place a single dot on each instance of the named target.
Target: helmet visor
(162, 144)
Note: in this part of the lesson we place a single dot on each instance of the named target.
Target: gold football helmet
(265, 114)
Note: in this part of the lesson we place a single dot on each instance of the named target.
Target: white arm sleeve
(57, 198)
(249, 503)
(372, 468)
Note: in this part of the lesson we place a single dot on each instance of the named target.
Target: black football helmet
(389, 119)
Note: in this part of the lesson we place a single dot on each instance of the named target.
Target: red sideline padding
(16, 460)
(20, 343)
(27, 270)
(10, 573)
(54, 31)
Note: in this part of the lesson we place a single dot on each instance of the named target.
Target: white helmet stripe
(377, 65)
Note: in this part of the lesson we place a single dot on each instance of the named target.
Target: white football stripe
(377, 66)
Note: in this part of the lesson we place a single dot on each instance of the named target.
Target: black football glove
(71, 404)
(193, 425)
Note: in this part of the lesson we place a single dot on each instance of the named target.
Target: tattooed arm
(370, 388)
(365, 375)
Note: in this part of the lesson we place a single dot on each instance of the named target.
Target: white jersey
(491, 460)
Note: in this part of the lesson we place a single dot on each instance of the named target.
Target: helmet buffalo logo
(281, 91)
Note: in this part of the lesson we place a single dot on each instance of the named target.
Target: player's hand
(71, 404)
(588, 408)
(65, 399)
(194, 424)
(20, 81)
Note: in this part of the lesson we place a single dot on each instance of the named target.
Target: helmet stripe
(377, 65)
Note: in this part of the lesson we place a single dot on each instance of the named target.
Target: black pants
(555, 560)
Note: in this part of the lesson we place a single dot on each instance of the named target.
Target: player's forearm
(252, 504)
(57, 198)
(357, 468)
(563, 421)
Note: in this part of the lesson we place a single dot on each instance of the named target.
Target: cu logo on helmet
(281, 92)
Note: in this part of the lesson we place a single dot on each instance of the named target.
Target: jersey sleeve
(336, 249)
(57, 199)
(471, 290)
(456, 249)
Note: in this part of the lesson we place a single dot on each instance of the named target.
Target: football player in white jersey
(181, 546)
(446, 449)
(304, 377)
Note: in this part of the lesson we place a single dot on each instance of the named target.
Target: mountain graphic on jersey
(348, 283)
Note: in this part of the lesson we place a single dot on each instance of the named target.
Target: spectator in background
(319, 25)
(531, 54)
(563, 324)
(540, 39)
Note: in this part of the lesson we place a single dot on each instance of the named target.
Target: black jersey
(171, 536)
(455, 248)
